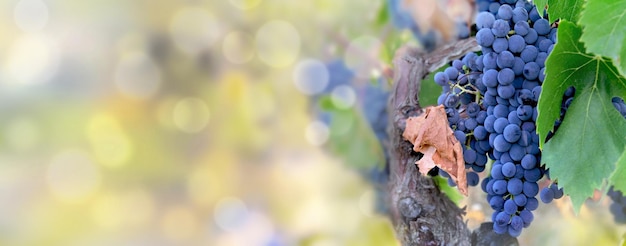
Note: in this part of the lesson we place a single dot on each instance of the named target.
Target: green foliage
(541, 4)
(452, 192)
(564, 10)
(429, 90)
(351, 138)
(604, 30)
(618, 177)
(585, 149)
(382, 17)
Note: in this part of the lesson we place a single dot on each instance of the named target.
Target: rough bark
(420, 212)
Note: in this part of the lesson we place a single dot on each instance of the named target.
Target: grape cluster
(491, 102)
(618, 207)
(515, 43)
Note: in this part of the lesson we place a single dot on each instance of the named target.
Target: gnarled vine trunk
(420, 212)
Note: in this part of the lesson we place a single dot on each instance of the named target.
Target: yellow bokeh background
(180, 123)
(172, 123)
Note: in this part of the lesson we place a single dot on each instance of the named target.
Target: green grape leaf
(564, 10)
(541, 4)
(383, 14)
(586, 147)
(452, 192)
(429, 90)
(618, 178)
(604, 30)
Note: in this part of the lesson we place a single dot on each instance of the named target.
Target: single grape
(512, 133)
(490, 78)
(529, 161)
(542, 26)
(546, 195)
(520, 199)
(505, 59)
(452, 101)
(472, 179)
(515, 186)
(499, 187)
(506, 76)
(500, 44)
(484, 20)
(520, 15)
(510, 207)
(505, 12)
(508, 169)
(500, 124)
(500, 28)
(506, 91)
(441, 78)
(484, 37)
(530, 188)
(521, 27)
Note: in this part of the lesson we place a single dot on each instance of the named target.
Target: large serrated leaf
(564, 10)
(618, 178)
(584, 150)
(604, 30)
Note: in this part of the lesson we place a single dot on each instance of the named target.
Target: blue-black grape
(505, 12)
(500, 45)
(484, 20)
(521, 28)
(500, 28)
(484, 37)
(546, 195)
(517, 43)
(542, 26)
(520, 15)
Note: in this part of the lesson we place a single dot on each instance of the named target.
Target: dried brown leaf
(431, 135)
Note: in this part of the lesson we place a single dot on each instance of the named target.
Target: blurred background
(191, 123)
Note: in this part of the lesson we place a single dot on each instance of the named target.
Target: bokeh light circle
(110, 144)
(310, 76)
(317, 133)
(194, 29)
(362, 55)
(137, 76)
(278, 43)
(230, 213)
(343, 96)
(32, 59)
(31, 15)
(72, 176)
(191, 114)
(238, 47)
